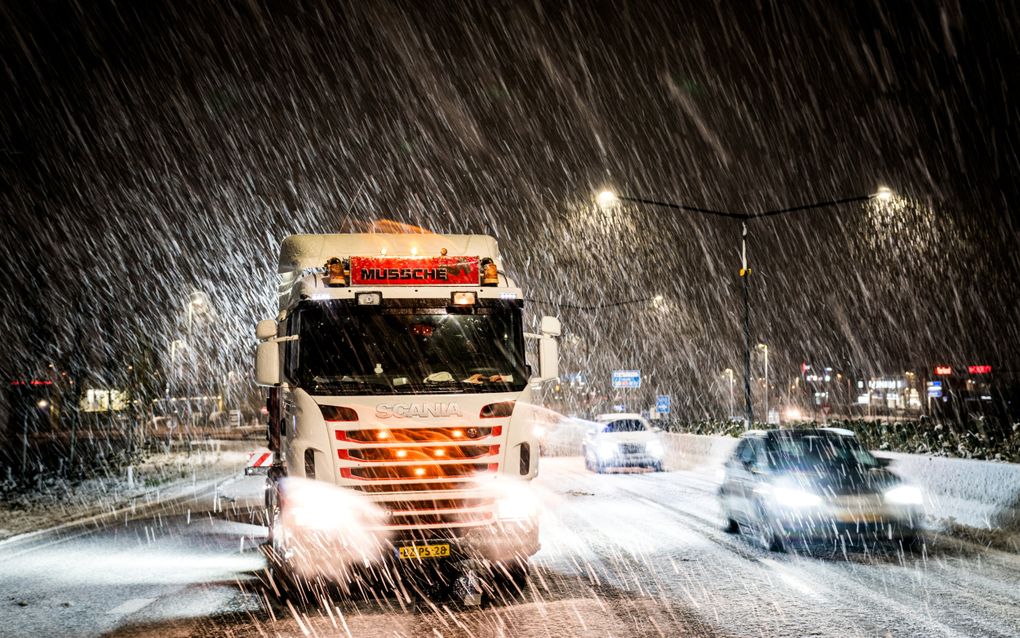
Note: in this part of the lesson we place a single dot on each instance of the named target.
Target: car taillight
(338, 413)
(497, 410)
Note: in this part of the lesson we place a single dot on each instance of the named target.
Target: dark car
(808, 486)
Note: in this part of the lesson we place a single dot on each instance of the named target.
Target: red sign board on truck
(943, 371)
(979, 369)
(414, 271)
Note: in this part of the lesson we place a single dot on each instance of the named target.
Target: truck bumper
(504, 541)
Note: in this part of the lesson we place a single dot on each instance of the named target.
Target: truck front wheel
(512, 572)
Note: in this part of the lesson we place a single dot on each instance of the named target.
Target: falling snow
(153, 157)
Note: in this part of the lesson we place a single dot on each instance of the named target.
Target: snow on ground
(53, 501)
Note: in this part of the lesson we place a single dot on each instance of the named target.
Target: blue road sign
(626, 378)
(662, 404)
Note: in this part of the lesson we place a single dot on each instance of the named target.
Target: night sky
(149, 151)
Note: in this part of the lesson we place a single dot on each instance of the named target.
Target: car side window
(760, 461)
(744, 453)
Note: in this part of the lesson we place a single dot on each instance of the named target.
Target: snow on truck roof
(299, 252)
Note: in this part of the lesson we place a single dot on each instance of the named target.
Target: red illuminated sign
(943, 371)
(414, 271)
(979, 369)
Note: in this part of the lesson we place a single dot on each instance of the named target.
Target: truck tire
(513, 573)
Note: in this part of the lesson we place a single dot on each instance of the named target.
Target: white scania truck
(399, 408)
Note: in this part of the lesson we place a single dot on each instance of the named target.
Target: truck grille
(424, 478)
(412, 472)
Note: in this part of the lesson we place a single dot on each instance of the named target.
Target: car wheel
(732, 526)
(913, 543)
(765, 531)
(657, 467)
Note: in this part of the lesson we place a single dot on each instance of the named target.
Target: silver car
(801, 487)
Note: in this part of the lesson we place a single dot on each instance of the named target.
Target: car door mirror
(883, 461)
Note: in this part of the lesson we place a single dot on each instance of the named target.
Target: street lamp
(765, 350)
(608, 199)
(195, 301)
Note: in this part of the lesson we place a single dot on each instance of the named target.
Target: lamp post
(765, 350)
(728, 373)
(607, 199)
(196, 301)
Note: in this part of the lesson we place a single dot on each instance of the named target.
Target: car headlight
(607, 448)
(904, 495)
(794, 498)
(516, 507)
(654, 448)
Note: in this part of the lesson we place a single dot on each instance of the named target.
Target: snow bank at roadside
(51, 501)
(980, 494)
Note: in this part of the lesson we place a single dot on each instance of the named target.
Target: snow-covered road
(623, 555)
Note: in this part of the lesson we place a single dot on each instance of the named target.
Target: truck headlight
(516, 507)
(795, 498)
(904, 495)
(654, 448)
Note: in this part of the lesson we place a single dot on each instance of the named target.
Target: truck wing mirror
(550, 327)
(265, 329)
(267, 363)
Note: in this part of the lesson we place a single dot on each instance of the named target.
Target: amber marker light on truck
(336, 272)
(490, 274)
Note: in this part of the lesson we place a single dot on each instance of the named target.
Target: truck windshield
(345, 349)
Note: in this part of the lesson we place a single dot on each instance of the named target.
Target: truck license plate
(424, 551)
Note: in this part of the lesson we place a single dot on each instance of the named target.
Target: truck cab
(396, 374)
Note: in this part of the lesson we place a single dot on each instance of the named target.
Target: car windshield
(819, 451)
(624, 425)
(345, 349)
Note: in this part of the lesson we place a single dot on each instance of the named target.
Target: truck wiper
(349, 383)
(453, 385)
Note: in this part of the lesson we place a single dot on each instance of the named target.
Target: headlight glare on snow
(654, 448)
(607, 449)
(795, 498)
(516, 507)
(904, 495)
